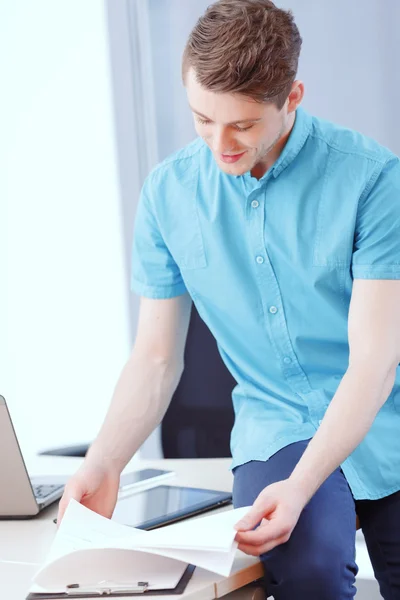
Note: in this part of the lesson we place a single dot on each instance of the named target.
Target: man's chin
(233, 168)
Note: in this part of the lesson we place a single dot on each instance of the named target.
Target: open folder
(92, 555)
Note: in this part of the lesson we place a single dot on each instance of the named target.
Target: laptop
(20, 498)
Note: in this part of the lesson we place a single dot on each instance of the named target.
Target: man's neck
(262, 167)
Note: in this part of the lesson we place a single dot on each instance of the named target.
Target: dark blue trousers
(318, 561)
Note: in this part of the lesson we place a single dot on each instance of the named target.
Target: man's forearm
(363, 390)
(140, 400)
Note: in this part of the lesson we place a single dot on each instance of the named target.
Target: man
(284, 229)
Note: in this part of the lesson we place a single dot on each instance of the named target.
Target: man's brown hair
(248, 47)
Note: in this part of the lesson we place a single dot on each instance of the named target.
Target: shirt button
(287, 360)
(260, 260)
(319, 422)
(273, 310)
(255, 204)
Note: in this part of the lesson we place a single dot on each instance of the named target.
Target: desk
(29, 541)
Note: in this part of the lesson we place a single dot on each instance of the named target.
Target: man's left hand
(277, 510)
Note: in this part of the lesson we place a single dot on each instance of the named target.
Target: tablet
(166, 504)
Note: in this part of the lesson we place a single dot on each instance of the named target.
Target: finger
(272, 530)
(255, 515)
(60, 514)
(101, 506)
(62, 506)
(65, 500)
(263, 548)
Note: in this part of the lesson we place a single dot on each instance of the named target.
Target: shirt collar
(296, 140)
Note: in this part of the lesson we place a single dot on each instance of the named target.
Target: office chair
(200, 418)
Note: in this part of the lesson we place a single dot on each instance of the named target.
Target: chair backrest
(200, 417)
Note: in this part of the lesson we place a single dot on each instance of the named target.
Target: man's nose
(222, 142)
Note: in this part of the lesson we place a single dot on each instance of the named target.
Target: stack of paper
(89, 548)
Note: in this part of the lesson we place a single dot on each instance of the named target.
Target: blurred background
(91, 99)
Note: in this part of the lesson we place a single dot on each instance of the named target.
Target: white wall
(348, 63)
(66, 326)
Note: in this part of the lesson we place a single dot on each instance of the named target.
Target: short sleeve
(154, 273)
(376, 251)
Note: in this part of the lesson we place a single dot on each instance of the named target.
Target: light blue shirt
(270, 264)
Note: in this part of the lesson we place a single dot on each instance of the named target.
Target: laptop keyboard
(43, 491)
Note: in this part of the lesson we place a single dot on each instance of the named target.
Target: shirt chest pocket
(334, 238)
(184, 236)
(336, 215)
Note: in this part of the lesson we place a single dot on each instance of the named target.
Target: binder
(93, 557)
(115, 590)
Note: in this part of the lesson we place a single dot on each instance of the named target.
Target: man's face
(240, 131)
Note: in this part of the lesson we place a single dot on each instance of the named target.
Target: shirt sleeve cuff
(376, 271)
(157, 291)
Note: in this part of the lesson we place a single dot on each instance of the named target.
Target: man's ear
(296, 95)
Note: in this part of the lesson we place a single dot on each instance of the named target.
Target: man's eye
(202, 121)
(206, 122)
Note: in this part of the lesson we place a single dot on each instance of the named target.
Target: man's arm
(141, 397)
(147, 382)
(374, 340)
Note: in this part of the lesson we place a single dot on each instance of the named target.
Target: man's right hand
(95, 486)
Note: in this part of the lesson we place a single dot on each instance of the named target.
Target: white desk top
(28, 541)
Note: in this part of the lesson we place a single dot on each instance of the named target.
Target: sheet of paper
(82, 528)
(209, 533)
(95, 567)
(217, 562)
(90, 548)
(207, 542)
